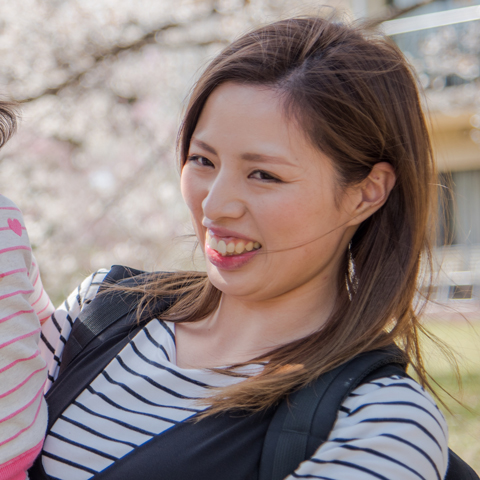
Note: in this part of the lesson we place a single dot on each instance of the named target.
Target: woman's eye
(198, 159)
(261, 175)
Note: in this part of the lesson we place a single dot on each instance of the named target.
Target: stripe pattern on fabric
(23, 305)
(389, 428)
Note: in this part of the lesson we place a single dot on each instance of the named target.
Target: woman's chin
(234, 282)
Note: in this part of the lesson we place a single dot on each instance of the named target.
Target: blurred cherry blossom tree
(102, 84)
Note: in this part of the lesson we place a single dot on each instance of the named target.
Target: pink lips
(228, 263)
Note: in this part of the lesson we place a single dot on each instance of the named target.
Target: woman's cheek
(189, 189)
(284, 224)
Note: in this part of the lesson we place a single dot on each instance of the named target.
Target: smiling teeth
(221, 247)
(231, 248)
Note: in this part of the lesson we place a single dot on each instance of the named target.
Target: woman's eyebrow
(204, 145)
(254, 157)
(258, 157)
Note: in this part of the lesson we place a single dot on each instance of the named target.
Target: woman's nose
(224, 199)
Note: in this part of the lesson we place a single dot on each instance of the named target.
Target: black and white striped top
(388, 429)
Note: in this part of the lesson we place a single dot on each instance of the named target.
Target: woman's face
(262, 198)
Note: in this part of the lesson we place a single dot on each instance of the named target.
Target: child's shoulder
(10, 215)
(12, 228)
(6, 203)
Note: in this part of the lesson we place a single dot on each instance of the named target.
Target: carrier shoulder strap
(293, 434)
(458, 469)
(304, 420)
(103, 329)
(103, 312)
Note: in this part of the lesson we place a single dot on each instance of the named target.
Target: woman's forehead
(250, 119)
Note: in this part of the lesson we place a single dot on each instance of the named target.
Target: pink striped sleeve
(23, 371)
(16, 469)
(39, 299)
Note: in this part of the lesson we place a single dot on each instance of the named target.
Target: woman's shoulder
(386, 428)
(88, 289)
(56, 329)
(395, 402)
(67, 313)
(84, 293)
(390, 424)
(397, 394)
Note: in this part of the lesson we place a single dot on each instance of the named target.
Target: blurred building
(442, 40)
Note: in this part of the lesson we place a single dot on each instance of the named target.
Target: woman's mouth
(229, 246)
(229, 253)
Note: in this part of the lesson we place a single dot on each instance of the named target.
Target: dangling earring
(351, 279)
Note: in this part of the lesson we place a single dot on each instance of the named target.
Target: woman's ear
(372, 192)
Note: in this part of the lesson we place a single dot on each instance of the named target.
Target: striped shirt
(23, 306)
(386, 429)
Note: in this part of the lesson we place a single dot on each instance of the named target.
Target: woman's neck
(240, 330)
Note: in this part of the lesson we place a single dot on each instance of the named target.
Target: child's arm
(23, 412)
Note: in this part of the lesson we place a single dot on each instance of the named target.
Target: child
(24, 305)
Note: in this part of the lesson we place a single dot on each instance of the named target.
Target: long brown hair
(355, 96)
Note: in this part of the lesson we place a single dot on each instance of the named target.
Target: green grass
(463, 422)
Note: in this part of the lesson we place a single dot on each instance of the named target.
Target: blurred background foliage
(102, 85)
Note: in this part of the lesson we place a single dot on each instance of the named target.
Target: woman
(307, 169)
